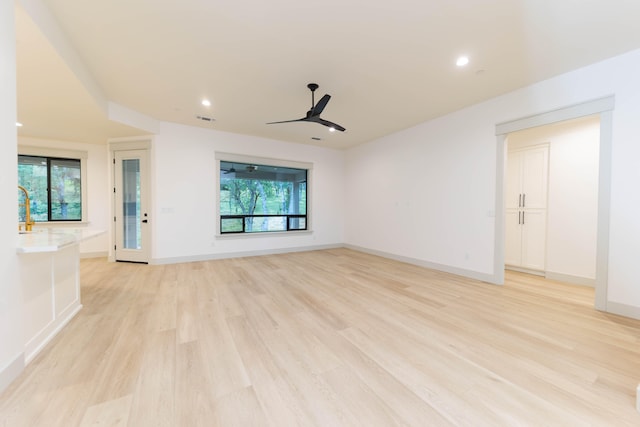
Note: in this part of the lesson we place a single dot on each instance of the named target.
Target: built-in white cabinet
(526, 203)
(50, 281)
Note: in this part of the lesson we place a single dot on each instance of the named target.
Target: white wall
(185, 187)
(572, 214)
(426, 194)
(97, 182)
(440, 211)
(11, 323)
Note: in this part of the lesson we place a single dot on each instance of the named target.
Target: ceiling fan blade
(330, 124)
(317, 109)
(289, 121)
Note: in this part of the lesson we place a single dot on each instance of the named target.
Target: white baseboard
(489, 278)
(524, 270)
(11, 371)
(560, 277)
(575, 280)
(227, 255)
(623, 310)
(94, 254)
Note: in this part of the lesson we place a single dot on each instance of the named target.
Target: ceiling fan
(248, 168)
(313, 115)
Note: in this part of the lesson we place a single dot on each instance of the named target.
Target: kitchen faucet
(28, 222)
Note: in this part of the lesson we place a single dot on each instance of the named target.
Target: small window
(257, 198)
(54, 186)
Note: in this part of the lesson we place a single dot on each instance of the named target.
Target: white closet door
(513, 192)
(526, 203)
(534, 239)
(513, 242)
(535, 175)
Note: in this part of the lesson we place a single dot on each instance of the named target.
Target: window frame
(239, 158)
(56, 154)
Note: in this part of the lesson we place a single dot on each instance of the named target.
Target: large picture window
(262, 198)
(54, 186)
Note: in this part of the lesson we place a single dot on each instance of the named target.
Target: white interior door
(513, 194)
(513, 234)
(535, 175)
(534, 238)
(526, 202)
(131, 206)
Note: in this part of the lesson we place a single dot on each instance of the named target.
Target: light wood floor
(328, 338)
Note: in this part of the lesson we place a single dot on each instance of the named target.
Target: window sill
(232, 236)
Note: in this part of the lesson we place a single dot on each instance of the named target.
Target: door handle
(523, 199)
(144, 221)
(519, 203)
(519, 214)
(522, 217)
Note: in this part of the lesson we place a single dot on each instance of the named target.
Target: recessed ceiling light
(18, 124)
(206, 103)
(462, 61)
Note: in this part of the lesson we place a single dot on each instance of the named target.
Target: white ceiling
(387, 65)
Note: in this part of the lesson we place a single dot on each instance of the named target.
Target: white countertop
(53, 239)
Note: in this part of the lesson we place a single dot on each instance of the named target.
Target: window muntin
(54, 186)
(258, 198)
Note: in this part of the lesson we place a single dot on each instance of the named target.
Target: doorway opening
(551, 200)
(603, 109)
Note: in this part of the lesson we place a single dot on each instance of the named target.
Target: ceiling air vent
(206, 119)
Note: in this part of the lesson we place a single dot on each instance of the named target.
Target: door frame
(129, 144)
(604, 108)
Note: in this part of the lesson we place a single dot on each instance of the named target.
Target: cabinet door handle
(519, 213)
(522, 217)
(523, 199)
(519, 204)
